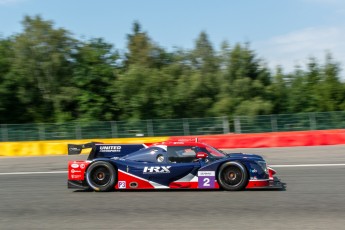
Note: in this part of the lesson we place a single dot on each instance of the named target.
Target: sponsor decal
(254, 171)
(160, 158)
(121, 184)
(188, 139)
(110, 148)
(75, 171)
(75, 166)
(133, 184)
(254, 178)
(154, 151)
(206, 179)
(206, 173)
(74, 149)
(76, 177)
(156, 169)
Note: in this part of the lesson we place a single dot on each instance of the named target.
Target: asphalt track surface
(314, 198)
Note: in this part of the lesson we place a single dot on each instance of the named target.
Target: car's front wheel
(101, 176)
(233, 176)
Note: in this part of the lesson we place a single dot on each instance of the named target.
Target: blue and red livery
(180, 164)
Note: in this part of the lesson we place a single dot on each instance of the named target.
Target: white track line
(273, 166)
(29, 173)
(305, 165)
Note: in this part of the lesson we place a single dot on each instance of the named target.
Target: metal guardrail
(173, 127)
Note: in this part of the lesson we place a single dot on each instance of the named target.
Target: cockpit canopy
(172, 153)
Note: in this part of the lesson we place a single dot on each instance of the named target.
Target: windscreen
(214, 152)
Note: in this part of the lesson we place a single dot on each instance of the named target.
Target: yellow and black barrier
(59, 147)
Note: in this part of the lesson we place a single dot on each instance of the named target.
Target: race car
(175, 164)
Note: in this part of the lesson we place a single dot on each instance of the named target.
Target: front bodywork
(141, 170)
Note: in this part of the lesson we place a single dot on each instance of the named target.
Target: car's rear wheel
(101, 176)
(233, 176)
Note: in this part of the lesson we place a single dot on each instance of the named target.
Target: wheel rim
(100, 176)
(232, 176)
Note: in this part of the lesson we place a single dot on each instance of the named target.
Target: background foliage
(47, 75)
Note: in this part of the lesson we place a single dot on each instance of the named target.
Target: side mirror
(201, 155)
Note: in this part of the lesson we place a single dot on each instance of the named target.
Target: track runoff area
(273, 166)
(290, 157)
(34, 195)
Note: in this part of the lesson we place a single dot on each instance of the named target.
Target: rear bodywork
(139, 166)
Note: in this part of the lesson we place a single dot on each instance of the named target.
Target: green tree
(203, 55)
(244, 85)
(203, 82)
(94, 78)
(331, 94)
(279, 92)
(142, 51)
(11, 108)
(48, 76)
(131, 96)
(296, 93)
(41, 66)
(317, 89)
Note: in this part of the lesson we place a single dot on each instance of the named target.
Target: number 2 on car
(206, 179)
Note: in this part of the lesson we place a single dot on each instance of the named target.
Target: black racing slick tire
(101, 176)
(232, 176)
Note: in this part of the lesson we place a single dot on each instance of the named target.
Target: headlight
(263, 165)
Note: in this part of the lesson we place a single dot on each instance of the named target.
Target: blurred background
(75, 71)
(281, 72)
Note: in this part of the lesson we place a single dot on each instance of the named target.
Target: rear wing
(100, 150)
(74, 149)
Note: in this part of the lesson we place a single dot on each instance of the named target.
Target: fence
(289, 122)
(173, 127)
(114, 129)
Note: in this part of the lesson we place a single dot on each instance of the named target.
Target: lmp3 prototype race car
(180, 164)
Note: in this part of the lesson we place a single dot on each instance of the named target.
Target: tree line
(47, 75)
